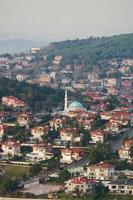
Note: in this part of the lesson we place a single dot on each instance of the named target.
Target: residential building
(12, 101)
(11, 148)
(98, 136)
(113, 127)
(121, 187)
(68, 155)
(3, 116)
(100, 171)
(24, 119)
(40, 152)
(83, 185)
(125, 151)
(56, 123)
(70, 134)
(39, 131)
(3, 130)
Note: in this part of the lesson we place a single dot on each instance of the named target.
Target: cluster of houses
(96, 88)
(114, 122)
(117, 74)
(99, 173)
(12, 101)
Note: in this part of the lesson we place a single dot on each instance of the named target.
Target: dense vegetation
(38, 98)
(93, 50)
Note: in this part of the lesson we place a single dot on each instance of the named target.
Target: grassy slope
(11, 171)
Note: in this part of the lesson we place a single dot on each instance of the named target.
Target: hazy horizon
(65, 19)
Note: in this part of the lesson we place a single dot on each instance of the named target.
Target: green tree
(35, 169)
(99, 191)
(8, 185)
(131, 151)
(64, 175)
(100, 153)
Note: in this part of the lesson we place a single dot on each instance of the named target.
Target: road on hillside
(118, 143)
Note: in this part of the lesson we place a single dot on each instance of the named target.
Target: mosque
(75, 106)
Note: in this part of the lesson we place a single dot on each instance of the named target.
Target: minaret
(65, 101)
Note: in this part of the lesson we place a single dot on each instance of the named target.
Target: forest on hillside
(38, 98)
(92, 50)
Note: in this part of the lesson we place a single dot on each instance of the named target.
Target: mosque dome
(75, 106)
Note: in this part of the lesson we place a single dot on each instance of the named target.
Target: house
(12, 101)
(125, 151)
(106, 115)
(124, 69)
(85, 123)
(39, 131)
(44, 79)
(56, 123)
(24, 119)
(121, 115)
(84, 185)
(98, 136)
(113, 126)
(11, 148)
(127, 83)
(70, 134)
(78, 86)
(112, 91)
(57, 59)
(3, 116)
(101, 106)
(121, 122)
(3, 130)
(86, 119)
(21, 77)
(68, 155)
(128, 143)
(40, 152)
(93, 76)
(93, 95)
(111, 82)
(100, 171)
(123, 186)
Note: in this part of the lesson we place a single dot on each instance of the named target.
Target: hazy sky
(63, 19)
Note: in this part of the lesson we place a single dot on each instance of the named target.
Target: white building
(3, 130)
(98, 136)
(11, 148)
(39, 131)
(12, 101)
(69, 134)
(69, 155)
(100, 171)
(40, 152)
(56, 123)
(24, 119)
(125, 151)
(83, 184)
(121, 187)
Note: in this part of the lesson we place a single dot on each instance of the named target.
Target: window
(130, 192)
(113, 186)
(122, 191)
(122, 187)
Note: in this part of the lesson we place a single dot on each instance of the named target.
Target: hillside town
(84, 145)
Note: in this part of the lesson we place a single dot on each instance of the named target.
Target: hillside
(38, 98)
(93, 50)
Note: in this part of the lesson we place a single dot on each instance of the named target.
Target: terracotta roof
(81, 180)
(101, 165)
(72, 150)
(12, 143)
